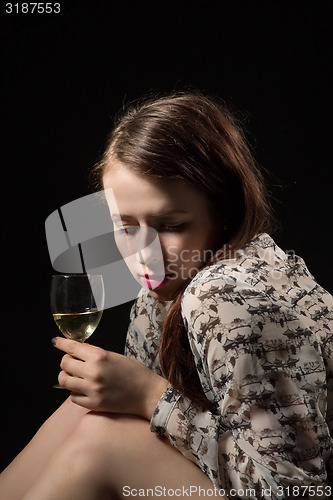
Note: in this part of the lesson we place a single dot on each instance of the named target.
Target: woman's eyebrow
(155, 215)
(169, 212)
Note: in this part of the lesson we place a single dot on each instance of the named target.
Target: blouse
(261, 332)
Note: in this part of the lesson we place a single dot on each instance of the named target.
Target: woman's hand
(106, 381)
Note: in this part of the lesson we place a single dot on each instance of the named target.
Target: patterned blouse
(261, 332)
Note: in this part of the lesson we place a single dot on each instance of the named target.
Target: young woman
(229, 349)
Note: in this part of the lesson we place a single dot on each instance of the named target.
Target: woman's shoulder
(258, 269)
(242, 269)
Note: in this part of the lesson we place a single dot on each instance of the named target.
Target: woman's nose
(148, 248)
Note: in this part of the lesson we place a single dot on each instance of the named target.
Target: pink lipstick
(152, 282)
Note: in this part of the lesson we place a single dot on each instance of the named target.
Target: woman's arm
(265, 372)
(106, 381)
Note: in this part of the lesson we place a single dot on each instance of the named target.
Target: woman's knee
(102, 427)
(100, 439)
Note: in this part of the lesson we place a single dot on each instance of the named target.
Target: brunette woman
(228, 355)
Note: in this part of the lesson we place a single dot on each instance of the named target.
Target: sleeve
(265, 373)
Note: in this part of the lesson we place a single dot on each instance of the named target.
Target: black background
(64, 76)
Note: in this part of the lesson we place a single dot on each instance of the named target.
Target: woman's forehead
(135, 193)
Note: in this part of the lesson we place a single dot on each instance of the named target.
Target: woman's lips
(155, 281)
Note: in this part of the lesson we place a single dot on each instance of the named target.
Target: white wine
(78, 326)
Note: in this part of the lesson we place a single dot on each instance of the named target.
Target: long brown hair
(193, 138)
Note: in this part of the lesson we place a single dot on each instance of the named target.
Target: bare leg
(27, 466)
(110, 456)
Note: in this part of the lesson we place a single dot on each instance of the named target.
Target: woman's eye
(126, 229)
(171, 229)
(163, 228)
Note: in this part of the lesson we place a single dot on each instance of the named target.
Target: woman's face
(163, 229)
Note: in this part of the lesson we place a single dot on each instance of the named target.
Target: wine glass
(77, 302)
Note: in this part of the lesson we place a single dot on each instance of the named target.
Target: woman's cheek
(170, 252)
(172, 269)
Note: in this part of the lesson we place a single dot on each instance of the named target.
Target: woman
(229, 349)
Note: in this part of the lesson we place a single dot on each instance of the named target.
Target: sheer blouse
(261, 332)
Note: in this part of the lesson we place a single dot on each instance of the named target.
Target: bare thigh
(114, 456)
(29, 464)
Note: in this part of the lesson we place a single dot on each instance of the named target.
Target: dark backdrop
(65, 75)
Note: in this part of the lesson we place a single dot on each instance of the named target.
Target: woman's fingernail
(54, 340)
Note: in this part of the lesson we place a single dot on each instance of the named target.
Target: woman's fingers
(73, 366)
(82, 400)
(74, 348)
(107, 381)
(81, 391)
(72, 383)
(81, 360)
(93, 369)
